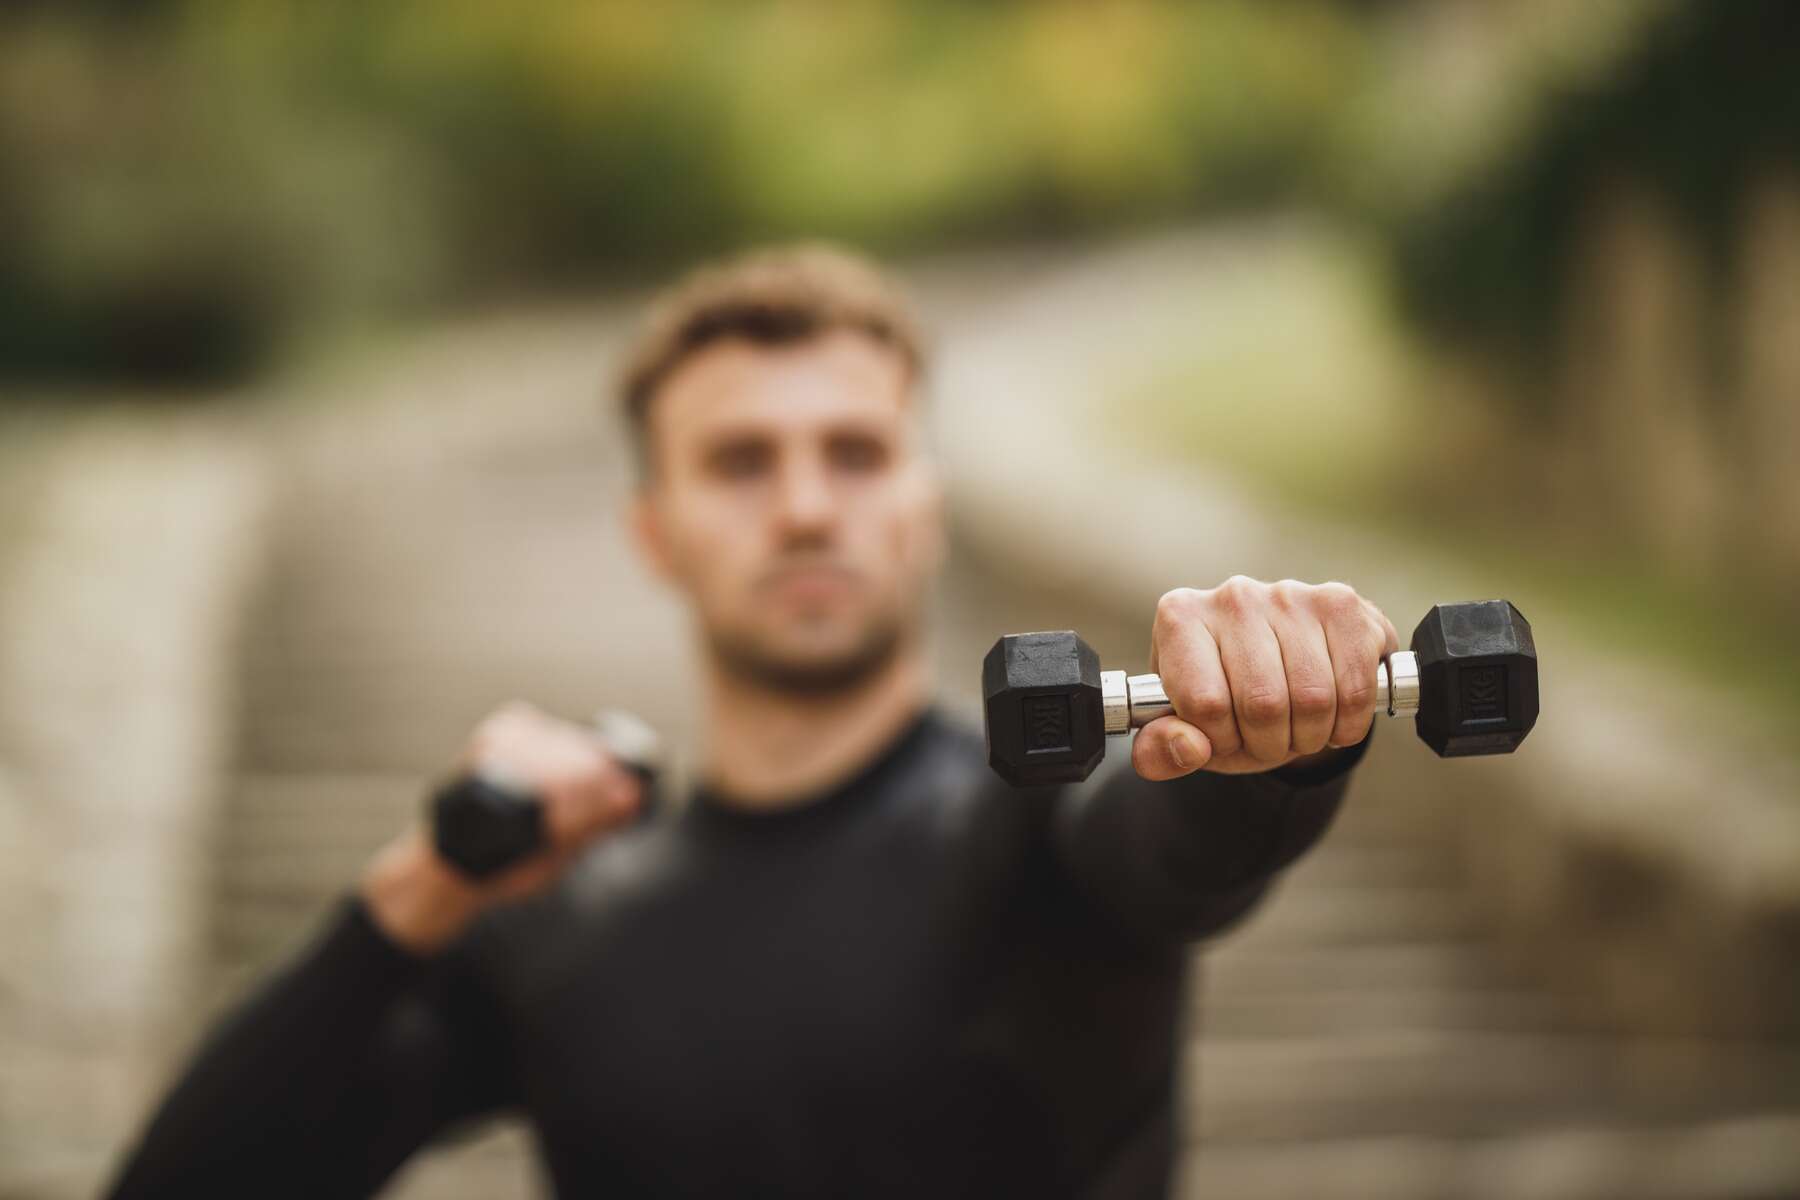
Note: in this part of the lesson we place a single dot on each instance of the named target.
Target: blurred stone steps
(1239, 1013)
(1247, 965)
(1347, 862)
(295, 843)
(1750, 1157)
(1463, 1082)
(1357, 915)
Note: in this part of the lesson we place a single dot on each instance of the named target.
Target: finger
(1251, 656)
(1184, 654)
(1357, 645)
(1168, 748)
(1393, 635)
(1311, 683)
(580, 809)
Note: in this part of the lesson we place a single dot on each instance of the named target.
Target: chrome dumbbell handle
(1130, 702)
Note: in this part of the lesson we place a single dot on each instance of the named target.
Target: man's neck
(769, 750)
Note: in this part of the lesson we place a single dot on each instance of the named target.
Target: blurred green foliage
(1704, 98)
(183, 184)
(187, 184)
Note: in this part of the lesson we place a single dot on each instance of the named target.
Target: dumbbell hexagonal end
(481, 826)
(1041, 699)
(1478, 680)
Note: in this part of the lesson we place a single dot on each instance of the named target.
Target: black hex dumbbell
(1470, 678)
(483, 822)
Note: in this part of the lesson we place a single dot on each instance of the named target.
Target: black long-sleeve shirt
(921, 983)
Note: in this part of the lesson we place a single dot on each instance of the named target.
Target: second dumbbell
(483, 822)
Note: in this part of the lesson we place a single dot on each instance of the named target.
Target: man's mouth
(817, 581)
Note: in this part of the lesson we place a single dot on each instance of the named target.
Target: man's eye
(740, 460)
(857, 453)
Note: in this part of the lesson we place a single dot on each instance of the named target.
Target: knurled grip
(1130, 702)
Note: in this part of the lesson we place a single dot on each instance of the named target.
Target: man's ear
(649, 534)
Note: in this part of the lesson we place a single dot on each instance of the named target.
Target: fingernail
(1184, 750)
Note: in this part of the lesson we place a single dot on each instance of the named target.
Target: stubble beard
(752, 660)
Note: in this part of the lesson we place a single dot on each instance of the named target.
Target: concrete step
(1347, 862)
(1465, 1083)
(294, 810)
(1336, 1011)
(1750, 1157)
(1370, 914)
(1249, 964)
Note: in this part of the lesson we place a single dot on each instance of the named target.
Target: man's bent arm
(1182, 859)
(326, 1079)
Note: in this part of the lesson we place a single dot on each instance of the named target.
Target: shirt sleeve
(327, 1077)
(1182, 860)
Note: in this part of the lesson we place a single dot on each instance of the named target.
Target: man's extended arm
(1182, 859)
(1272, 688)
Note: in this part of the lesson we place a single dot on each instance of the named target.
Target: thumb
(1168, 748)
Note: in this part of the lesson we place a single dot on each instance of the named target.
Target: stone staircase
(1360, 1036)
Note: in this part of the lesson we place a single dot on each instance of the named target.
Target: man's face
(791, 499)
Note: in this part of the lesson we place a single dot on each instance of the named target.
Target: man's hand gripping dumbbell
(529, 792)
(1253, 676)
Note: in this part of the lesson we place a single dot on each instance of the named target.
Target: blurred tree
(1706, 99)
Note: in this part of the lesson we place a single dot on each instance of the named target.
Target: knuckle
(1176, 601)
(1356, 696)
(1265, 705)
(1241, 586)
(1339, 599)
(1175, 608)
(1289, 593)
(1312, 700)
(1203, 704)
(1231, 598)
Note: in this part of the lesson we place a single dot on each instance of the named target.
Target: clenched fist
(1261, 674)
(423, 902)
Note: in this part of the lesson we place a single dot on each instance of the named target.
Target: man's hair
(776, 296)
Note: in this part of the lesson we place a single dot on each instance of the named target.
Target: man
(855, 963)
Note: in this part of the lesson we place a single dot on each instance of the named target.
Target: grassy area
(1299, 380)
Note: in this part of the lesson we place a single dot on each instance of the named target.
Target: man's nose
(805, 500)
